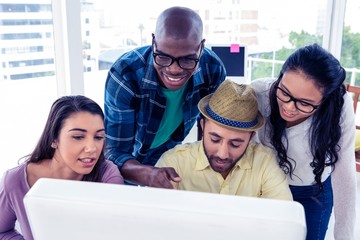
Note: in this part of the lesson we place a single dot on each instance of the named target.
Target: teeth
(288, 113)
(174, 79)
(86, 160)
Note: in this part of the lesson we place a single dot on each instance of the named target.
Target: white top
(343, 178)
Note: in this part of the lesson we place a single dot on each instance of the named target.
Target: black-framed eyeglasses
(186, 63)
(300, 105)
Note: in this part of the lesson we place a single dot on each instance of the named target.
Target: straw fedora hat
(233, 106)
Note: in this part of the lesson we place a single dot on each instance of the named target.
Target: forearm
(145, 175)
(135, 172)
(12, 234)
(344, 202)
(343, 177)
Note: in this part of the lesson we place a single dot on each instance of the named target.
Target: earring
(54, 145)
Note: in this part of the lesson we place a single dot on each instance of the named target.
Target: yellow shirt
(257, 174)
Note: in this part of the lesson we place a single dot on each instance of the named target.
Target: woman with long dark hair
(70, 147)
(310, 125)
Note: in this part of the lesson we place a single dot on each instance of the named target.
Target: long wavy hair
(325, 71)
(61, 110)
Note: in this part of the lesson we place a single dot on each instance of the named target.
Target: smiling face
(79, 144)
(297, 85)
(174, 77)
(223, 147)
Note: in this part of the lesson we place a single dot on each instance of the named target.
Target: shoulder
(14, 179)
(180, 153)
(109, 166)
(111, 173)
(261, 153)
(134, 62)
(131, 73)
(262, 85)
(347, 113)
(210, 73)
(16, 172)
(264, 160)
(137, 54)
(210, 62)
(259, 148)
(210, 56)
(182, 149)
(348, 102)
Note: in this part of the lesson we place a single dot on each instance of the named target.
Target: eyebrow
(186, 56)
(84, 130)
(300, 99)
(235, 139)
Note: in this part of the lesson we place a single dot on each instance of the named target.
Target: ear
(200, 130)
(253, 134)
(54, 144)
(202, 123)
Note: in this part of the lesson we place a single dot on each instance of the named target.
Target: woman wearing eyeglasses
(310, 124)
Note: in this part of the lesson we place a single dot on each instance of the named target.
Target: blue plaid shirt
(134, 104)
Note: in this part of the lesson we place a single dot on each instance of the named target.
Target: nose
(290, 106)
(90, 146)
(175, 67)
(223, 151)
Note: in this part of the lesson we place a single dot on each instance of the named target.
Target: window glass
(350, 50)
(27, 44)
(269, 31)
(27, 76)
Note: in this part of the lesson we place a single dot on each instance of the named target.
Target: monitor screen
(234, 57)
(64, 209)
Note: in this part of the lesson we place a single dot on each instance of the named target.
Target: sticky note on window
(234, 48)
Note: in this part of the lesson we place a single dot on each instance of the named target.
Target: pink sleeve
(111, 174)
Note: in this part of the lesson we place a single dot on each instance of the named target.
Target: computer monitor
(234, 57)
(63, 209)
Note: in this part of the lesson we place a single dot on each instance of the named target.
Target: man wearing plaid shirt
(151, 96)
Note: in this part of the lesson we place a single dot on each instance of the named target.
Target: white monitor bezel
(64, 209)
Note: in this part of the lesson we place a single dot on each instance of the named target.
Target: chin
(174, 86)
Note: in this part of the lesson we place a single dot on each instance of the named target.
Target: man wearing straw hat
(226, 161)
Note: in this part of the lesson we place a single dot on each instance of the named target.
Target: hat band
(229, 122)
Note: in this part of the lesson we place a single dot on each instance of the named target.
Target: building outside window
(28, 84)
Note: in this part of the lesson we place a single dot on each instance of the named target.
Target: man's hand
(150, 176)
(162, 177)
